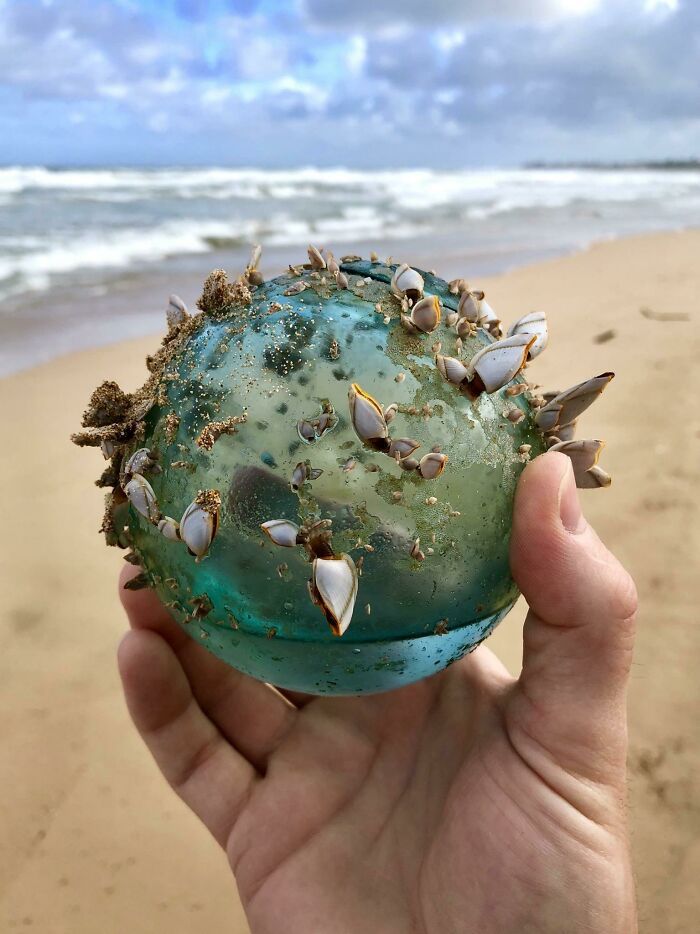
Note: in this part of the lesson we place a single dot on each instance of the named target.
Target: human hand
(469, 802)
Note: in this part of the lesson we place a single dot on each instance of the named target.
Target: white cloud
(356, 54)
(215, 96)
(316, 97)
(576, 7)
(447, 41)
(117, 92)
(660, 6)
(260, 57)
(512, 83)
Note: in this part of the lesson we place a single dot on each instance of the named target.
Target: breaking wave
(55, 222)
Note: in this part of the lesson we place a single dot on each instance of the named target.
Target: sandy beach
(93, 841)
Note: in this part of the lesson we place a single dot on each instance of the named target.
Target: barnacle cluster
(317, 476)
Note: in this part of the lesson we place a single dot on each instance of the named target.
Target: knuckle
(181, 776)
(625, 600)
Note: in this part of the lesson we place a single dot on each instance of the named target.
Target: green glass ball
(432, 554)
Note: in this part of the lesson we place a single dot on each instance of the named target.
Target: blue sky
(444, 83)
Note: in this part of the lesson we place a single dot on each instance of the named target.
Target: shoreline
(91, 830)
(134, 300)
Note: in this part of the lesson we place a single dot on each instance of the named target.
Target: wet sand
(36, 327)
(92, 840)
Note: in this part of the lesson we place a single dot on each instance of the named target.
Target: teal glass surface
(288, 357)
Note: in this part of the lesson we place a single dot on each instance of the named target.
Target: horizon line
(691, 162)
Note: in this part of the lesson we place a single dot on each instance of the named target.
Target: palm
(467, 802)
(386, 813)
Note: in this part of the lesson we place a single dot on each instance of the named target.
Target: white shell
(142, 498)
(464, 328)
(406, 279)
(315, 257)
(281, 532)
(366, 414)
(176, 312)
(197, 529)
(333, 267)
(534, 323)
(487, 316)
(569, 404)
(403, 447)
(390, 412)
(301, 473)
(425, 314)
(452, 369)
(584, 459)
(547, 417)
(596, 476)
(469, 306)
(415, 550)
(335, 586)
(169, 529)
(341, 280)
(457, 286)
(299, 476)
(498, 363)
(432, 465)
(255, 257)
(108, 448)
(139, 462)
(566, 432)
(324, 421)
(306, 430)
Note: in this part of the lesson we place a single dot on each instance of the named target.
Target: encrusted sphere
(233, 403)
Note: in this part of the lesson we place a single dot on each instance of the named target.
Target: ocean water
(88, 256)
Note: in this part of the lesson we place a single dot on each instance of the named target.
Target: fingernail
(569, 505)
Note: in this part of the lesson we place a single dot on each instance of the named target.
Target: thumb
(578, 636)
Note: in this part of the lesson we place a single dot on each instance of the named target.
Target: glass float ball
(430, 553)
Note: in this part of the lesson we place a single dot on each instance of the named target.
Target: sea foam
(56, 223)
